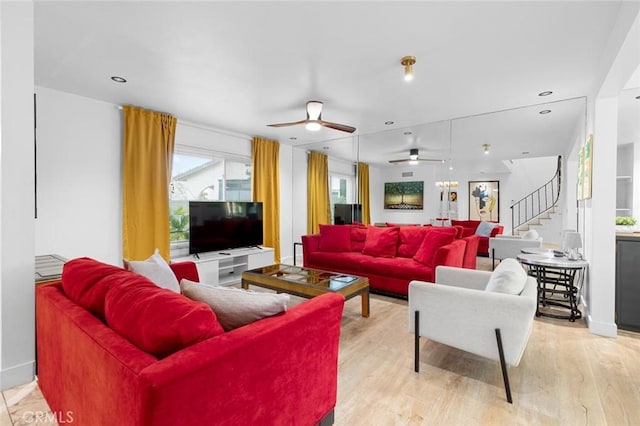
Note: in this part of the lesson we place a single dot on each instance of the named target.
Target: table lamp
(571, 242)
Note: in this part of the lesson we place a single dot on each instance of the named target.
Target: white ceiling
(239, 66)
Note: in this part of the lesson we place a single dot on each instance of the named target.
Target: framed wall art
(484, 200)
(585, 165)
(404, 195)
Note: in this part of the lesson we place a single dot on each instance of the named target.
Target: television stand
(225, 268)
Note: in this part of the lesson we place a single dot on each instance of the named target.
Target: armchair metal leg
(493, 259)
(416, 341)
(503, 364)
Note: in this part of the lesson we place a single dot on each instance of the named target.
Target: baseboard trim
(17, 375)
(602, 328)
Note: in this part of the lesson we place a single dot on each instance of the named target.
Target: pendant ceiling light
(408, 62)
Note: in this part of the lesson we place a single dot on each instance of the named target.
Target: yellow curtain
(363, 192)
(266, 189)
(147, 155)
(318, 203)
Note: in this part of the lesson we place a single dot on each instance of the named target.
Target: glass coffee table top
(300, 275)
(308, 282)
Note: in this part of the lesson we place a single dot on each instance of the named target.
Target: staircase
(537, 210)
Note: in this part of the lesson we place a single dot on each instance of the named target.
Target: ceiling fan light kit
(408, 62)
(314, 120)
(485, 148)
(414, 158)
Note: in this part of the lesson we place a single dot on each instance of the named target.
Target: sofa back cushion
(157, 320)
(434, 239)
(358, 237)
(410, 239)
(335, 238)
(86, 281)
(381, 242)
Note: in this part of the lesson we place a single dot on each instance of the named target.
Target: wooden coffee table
(308, 283)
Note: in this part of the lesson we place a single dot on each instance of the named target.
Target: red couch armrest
(186, 269)
(450, 255)
(497, 230)
(310, 245)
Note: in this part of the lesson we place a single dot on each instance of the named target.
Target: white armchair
(466, 310)
(506, 246)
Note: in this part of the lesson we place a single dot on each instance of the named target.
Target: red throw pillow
(381, 242)
(431, 243)
(157, 320)
(411, 238)
(86, 281)
(335, 238)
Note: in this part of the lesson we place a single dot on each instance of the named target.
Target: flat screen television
(346, 214)
(222, 225)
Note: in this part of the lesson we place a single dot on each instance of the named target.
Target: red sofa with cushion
(470, 227)
(390, 257)
(176, 366)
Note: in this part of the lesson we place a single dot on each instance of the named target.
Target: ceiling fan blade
(336, 126)
(295, 123)
(399, 161)
(430, 159)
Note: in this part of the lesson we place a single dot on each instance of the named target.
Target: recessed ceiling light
(293, 138)
(407, 133)
(118, 79)
(546, 93)
(388, 123)
(545, 111)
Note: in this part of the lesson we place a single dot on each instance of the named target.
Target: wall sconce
(485, 148)
(408, 62)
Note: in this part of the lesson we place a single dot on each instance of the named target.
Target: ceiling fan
(314, 120)
(414, 158)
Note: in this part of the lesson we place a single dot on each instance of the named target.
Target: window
(205, 176)
(342, 190)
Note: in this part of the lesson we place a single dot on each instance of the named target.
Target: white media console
(225, 267)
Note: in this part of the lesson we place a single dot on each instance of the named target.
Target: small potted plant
(625, 224)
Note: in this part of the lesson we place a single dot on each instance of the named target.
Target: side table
(559, 282)
(48, 268)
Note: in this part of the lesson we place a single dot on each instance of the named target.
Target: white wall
(79, 177)
(298, 195)
(287, 203)
(17, 326)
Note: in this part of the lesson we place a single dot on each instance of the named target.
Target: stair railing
(538, 202)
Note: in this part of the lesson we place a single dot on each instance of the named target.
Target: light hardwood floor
(567, 376)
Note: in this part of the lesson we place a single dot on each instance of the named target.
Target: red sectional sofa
(278, 370)
(390, 257)
(470, 227)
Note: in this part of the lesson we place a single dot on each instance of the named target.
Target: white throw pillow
(509, 277)
(235, 307)
(156, 269)
(531, 234)
(484, 228)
